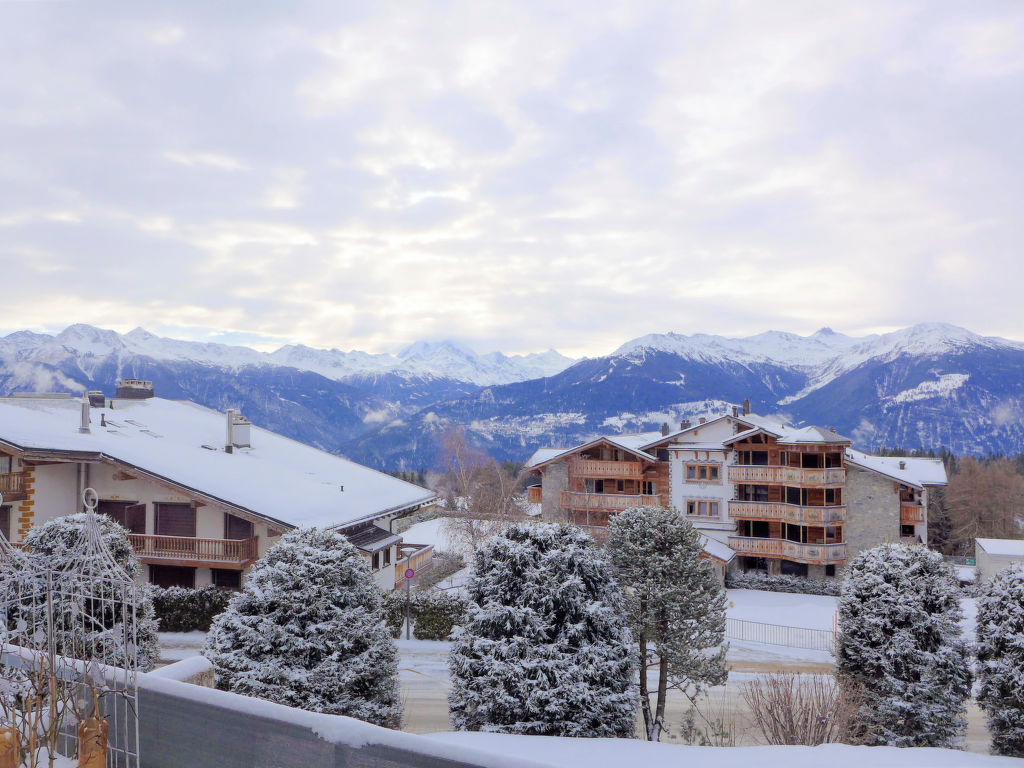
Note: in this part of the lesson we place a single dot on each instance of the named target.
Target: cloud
(521, 176)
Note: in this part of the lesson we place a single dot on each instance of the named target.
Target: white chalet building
(203, 494)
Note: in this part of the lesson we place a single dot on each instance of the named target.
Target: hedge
(180, 609)
(798, 584)
(435, 613)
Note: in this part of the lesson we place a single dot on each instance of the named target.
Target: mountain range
(929, 385)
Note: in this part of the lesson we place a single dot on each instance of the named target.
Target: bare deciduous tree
(985, 499)
(798, 709)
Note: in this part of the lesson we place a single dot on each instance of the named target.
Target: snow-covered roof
(786, 433)
(717, 549)
(543, 455)
(914, 471)
(277, 479)
(629, 443)
(1002, 547)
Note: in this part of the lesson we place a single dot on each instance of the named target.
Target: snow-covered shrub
(179, 609)
(1001, 659)
(307, 630)
(436, 614)
(900, 652)
(51, 546)
(782, 583)
(675, 605)
(544, 649)
(393, 605)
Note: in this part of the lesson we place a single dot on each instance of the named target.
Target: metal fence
(777, 634)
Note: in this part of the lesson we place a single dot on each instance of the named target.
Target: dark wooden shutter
(135, 518)
(5, 522)
(175, 520)
(236, 528)
(172, 576)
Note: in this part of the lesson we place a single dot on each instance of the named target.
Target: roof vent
(685, 424)
(903, 465)
(702, 420)
(134, 389)
(735, 411)
(238, 431)
(84, 426)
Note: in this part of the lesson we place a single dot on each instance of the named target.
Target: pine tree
(307, 630)
(1001, 659)
(544, 649)
(676, 606)
(900, 653)
(51, 546)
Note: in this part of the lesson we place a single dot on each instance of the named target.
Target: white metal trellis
(72, 617)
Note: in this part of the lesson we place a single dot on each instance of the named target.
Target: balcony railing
(415, 556)
(743, 473)
(911, 514)
(196, 552)
(577, 500)
(12, 486)
(789, 513)
(790, 550)
(613, 469)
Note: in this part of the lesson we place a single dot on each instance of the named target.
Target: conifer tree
(307, 630)
(676, 606)
(1001, 659)
(900, 653)
(544, 649)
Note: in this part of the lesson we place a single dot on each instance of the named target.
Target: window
(128, 514)
(830, 570)
(175, 520)
(226, 579)
(5, 522)
(704, 473)
(907, 531)
(648, 488)
(236, 528)
(386, 556)
(172, 576)
(5, 465)
(590, 485)
(703, 508)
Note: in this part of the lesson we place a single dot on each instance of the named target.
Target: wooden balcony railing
(742, 473)
(911, 514)
(613, 469)
(534, 494)
(185, 550)
(577, 500)
(12, 486)
(790, 550)
(415, 556)
(790, 513)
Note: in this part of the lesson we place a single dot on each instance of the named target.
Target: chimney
(702, 420)
(903, 465)
(735, 410)
(84, 426)
(664, 428)
(237, 433)
(685, 424)
(746, 406)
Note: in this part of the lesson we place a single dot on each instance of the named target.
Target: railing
(777, 634)
(534, 494)
(576, 500)
(791, 550)
(791, 513)
(12, 486)
(185, 548)
(911, 514)
(415, 556)
(596, 468)
(744, 473)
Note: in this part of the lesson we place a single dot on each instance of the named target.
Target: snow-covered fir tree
(676, 605)
(545, 649)
(1001, 659)
(307, 630)
(900, 654)
(55, 545)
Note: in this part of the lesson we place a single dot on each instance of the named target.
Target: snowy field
(432, 532)
(791, 610)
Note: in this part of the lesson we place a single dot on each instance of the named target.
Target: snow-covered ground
(614, 753)
(791, 610)
(432, 532)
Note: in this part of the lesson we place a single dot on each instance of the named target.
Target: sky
(514, 176)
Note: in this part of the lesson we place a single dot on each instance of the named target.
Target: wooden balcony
(796, 476)
(788, 513)
(911, 514)
(610, 501)
(195, 553)
(534, 494)
(415, 556)
(12, 486)
(815, 554)
(608, 469)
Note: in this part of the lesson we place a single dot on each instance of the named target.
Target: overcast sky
(515, 175)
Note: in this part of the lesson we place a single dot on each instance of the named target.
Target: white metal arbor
(69, 646)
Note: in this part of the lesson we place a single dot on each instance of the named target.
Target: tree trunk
(659, 716)
(645, 700)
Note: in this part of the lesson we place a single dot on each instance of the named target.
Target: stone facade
(556, 480)
(872, 511)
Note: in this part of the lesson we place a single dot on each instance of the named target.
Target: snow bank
(432, 532)
(186, 670)
(785, 608)
(615, 753)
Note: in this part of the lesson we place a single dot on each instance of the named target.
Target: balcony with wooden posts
(814, 554)
(911, 514)
(12, 486)
(606, 469)
(788, 513)
(195, 553)
(796, 476)
(415, 556)
(609, 501)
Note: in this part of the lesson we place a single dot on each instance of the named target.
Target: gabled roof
(278, 479)
(789, 435)
(676, 435)
(716, 549)
(629, 443)
(917, 472)
(1002, 547)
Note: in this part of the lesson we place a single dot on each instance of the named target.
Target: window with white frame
(703, 473)
(702, 508)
